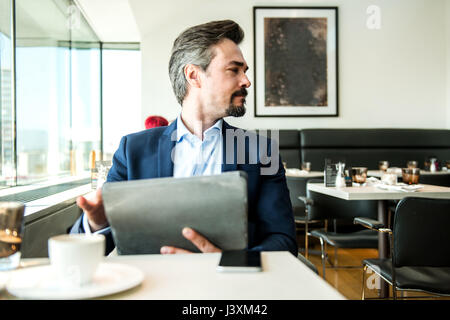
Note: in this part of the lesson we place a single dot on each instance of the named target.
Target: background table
(300, 174)
(374, 193)
(194, 277)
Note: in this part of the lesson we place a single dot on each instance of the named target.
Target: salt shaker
(340, 178)
(433, 164)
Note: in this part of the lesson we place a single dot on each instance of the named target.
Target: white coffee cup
(75, 257)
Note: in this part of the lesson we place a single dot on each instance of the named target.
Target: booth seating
(366, 147)
(288, 144)
(289, 148)
(361, 148)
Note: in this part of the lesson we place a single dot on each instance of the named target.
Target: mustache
(240, 93)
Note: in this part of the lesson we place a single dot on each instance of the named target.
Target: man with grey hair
(208, 75)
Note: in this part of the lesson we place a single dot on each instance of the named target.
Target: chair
(297, 193)
(342, 213)
(308, 263)
(420, 251)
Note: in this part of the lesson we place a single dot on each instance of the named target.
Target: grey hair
(194, 46)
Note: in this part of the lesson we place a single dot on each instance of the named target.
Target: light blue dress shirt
(194, 157)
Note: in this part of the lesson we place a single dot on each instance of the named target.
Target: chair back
(297, 187)
(422, 233)
(327, 207)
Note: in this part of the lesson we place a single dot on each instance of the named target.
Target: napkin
(400, 187)
(372, 181)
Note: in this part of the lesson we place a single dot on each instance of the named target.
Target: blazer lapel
(229, 163)
(166, 145)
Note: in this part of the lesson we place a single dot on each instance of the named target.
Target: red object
(155, 121)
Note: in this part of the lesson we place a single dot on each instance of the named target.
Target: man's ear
(192, 75)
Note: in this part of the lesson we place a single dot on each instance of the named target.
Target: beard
(234, 110)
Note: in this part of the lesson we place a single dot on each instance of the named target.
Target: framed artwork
(296, 61)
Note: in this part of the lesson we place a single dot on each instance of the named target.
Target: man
(207, 72)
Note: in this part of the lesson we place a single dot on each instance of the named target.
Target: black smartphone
(240, 261)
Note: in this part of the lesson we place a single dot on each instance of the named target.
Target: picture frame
(296, 61)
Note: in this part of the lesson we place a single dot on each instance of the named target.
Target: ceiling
(112, 20)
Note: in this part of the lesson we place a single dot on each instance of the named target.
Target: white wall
(447, 19)
(392, 77)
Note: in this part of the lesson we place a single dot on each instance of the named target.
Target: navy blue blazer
(271, 226)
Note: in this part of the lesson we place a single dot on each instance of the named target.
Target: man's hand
(94, 210)
(197, 239)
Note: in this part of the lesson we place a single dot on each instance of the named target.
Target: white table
(382, 196)
(194, 277)
(374, 193)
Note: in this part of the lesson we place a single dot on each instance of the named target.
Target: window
(58, 97)
(7, 165)
(85, 97)
(51, 87)
(121, 94)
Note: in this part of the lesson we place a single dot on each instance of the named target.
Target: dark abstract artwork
(295, 62)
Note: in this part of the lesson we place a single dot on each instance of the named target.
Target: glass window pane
(86, 99)
(85, 107)
(121, 90)
(43, 90)
(7, 164)
(58, 90)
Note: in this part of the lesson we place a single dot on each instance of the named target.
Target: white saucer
(3, 279)
(40, 283)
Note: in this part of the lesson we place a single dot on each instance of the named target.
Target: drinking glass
(103, 168)
(359, 174)
(306, 166)
(411, 175)
(11, 232)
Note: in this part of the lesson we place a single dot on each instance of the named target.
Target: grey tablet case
(145, 215)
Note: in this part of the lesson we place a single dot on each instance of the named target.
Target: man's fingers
(196, 238)
(199, 241)
(172, 250)
(84, 204)
(87, 205)
(98, 195)
(95, 212)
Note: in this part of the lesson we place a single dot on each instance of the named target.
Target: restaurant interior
(355, 96)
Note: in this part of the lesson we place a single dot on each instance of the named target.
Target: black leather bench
(361, 147)
(365, 147)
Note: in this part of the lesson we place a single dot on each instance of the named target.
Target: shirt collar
(183, 131)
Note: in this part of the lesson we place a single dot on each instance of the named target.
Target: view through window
(121, 94)
(7, 165)
(52, 112)
(58, 95)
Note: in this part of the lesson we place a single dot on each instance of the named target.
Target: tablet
(145, 215)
